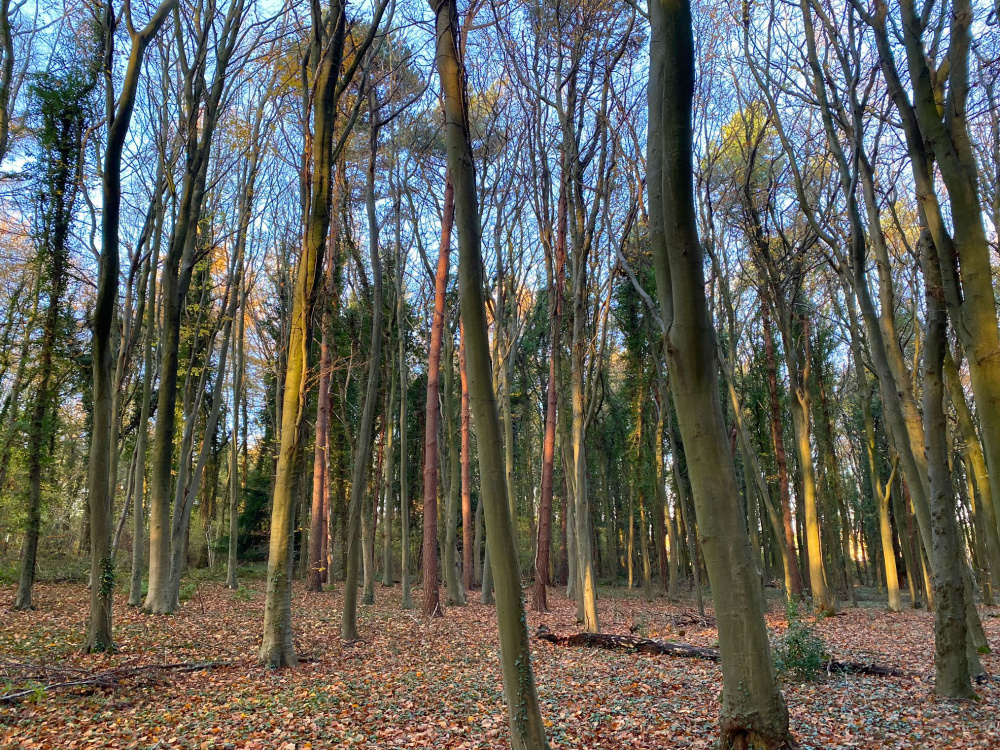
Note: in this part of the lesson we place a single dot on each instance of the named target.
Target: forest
(508, 373)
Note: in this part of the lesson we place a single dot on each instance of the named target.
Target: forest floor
(413, 682)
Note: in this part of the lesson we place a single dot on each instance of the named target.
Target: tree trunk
(362, 456)
(456, 594)
(389, 475)
(321, 461)
(277, 648)
(952, 677)
(200, 110)
(432, 601)
(369, 519)
(99, 636)
(888, 553)
(586, 578)
(526, 729)
(753, 711)
(799, 403)
(404, 456)
(542, 554)
(777, 436)
(234, 468)
(186, 491)
(142, 438)
(468, 561)
(477, 543)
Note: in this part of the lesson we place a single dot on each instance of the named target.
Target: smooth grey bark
(388, 475)
(432, 604)
(234, 462)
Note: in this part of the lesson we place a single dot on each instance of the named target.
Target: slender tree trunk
(369, 518)
(486, 594)
(201, 113)
(799, 402)
(234, 458)
(753, 711)
(586, 577)
(314, 579)
(187, 489)
(388, 477)
(888, 553)
(99, 635)
(572, 579)
(468, 561)
(659, 456)
(477, 544)
(777, 436)
(542, 554)
(526, 729)
(647, 570)
(359, 483)
(432, 601)
(759, 484)
(631, 536)
(277, 648)
(456, 595)
(142, 438)
(685, 515)
(404, 456)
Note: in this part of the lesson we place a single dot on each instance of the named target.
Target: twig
(110, 677)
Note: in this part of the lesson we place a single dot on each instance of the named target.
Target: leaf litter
(411, 682)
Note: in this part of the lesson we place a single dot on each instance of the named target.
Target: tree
(524, 715)
(118, 118)
(753, 711)
(328, 82)
(62, 102)
(432, 603)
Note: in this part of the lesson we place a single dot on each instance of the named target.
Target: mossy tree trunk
(63, 121)
(952, 676)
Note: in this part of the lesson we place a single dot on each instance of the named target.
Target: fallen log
(650, 646)
(627, 643)
(106, 679)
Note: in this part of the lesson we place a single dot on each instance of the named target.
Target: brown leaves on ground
(413, 682)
